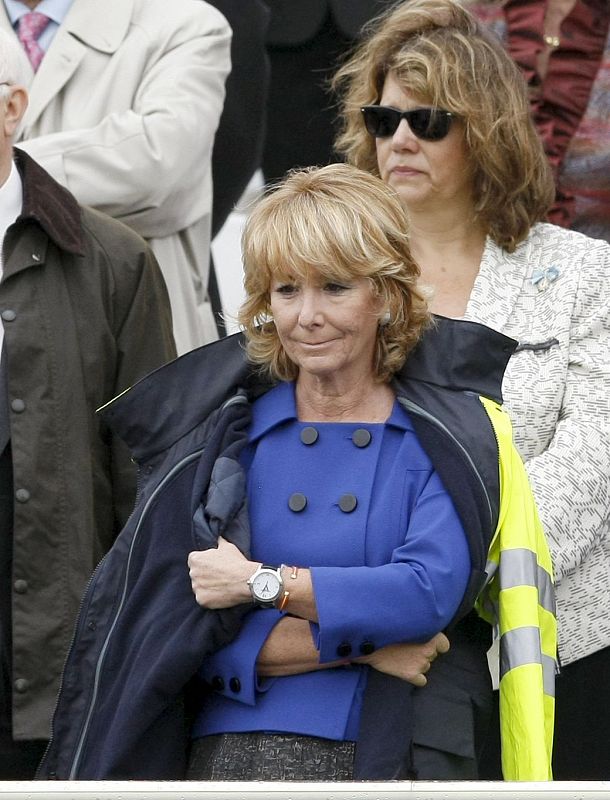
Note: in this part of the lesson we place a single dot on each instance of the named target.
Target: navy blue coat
(124, 706)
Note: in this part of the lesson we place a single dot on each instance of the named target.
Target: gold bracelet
(283, 601)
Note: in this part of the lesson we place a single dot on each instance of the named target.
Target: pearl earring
(385, 319)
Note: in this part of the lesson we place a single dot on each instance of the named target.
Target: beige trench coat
(123, 111)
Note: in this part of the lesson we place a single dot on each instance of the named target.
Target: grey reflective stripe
(518, 647)
(549, 668)
(546, 591)
(490, 608)
(519, 567)
(490, 568)
(521, 646)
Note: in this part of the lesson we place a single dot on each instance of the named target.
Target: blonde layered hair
(439, 53)
(340, 224)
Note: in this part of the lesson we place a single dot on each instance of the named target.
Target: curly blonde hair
(441, 54)
(340, 223)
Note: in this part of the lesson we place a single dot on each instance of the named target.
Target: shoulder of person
(568, 251)
(201, 16)
(111, 241)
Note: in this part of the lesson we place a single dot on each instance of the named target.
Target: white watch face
(265, 586)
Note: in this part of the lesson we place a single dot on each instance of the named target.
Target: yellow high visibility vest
(519, 599)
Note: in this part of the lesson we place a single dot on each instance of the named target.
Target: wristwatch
(266, 585)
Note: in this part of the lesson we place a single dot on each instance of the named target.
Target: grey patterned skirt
(263, 756)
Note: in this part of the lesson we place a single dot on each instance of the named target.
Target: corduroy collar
(48, 204)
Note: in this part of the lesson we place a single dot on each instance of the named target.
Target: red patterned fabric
(31, 26)
(571, 105)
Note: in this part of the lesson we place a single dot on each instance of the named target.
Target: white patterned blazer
(553, 295)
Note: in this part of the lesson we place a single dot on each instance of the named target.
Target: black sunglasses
(429, 124)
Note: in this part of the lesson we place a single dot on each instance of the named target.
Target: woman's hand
(219, 576)
(407, 661)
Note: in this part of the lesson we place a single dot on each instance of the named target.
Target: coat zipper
(239, 398)
(409, 405)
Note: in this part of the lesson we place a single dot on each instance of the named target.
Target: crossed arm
(218, 578)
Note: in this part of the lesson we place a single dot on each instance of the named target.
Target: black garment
(301, 119)
(306, 42)
(294, 23)
(581, 750)
(6, 550)
(238, 144)
(6, 558)
(18, 760)
(453, 711)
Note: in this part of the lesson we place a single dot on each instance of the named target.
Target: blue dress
(360, 505)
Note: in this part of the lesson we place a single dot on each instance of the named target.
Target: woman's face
(327, 329)
(425, 174)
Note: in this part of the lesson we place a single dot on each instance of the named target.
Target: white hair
(13, 63)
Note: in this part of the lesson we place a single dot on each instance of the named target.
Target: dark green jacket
(85, 314)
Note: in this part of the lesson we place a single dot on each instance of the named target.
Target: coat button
(20, 586)
(347, 503)
(9, 315)
(235, 685)
(344, 650)
(297, 502)
(366, 648)
(309, 435)
(218, 683)
(361, 437)
(17, 405)
(21, 685)
(22, 495)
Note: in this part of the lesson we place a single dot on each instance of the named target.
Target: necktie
(31, 25)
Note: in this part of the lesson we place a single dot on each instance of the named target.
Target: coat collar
(101, 26)
(272, 409)
(279, 405)
(170, 402)
(49, 205)
(499, 284)
(89, 25)
(460, 355)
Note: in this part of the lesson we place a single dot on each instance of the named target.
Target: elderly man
(84, 313)
(125, 98)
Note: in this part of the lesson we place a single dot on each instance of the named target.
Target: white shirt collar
(54, 9)
(11, 202)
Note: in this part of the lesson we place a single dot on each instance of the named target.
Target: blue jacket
(391, 568)
(124, 709)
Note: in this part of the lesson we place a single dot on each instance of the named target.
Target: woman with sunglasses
(434, 105)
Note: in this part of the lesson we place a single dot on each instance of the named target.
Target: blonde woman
(332, 478)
